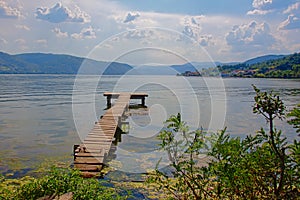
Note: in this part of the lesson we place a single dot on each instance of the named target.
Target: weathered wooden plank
(99, 143)
(107, 134)
(82, 154)
(85, 167)
(99, 138)
(102, 138)
(89, 160)
(96, 146)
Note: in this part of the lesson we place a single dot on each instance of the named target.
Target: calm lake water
(42, 116)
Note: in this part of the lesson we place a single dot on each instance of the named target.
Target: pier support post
(143, 101)
(108, 101)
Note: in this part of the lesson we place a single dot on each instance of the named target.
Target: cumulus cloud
(292, 22)
(59, 13)
(263, 7)
(139, 34)
(205, 40)
(131, 17)
(258, 12)
(88, 33)
(192, 29)
(59, 33)
(292, 8)
(250, 35)
(261, 3)
(8, 12)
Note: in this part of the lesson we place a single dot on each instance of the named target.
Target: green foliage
(263, 166)
(286, 67)
(295, 118)
(57, 182)
(184, 149)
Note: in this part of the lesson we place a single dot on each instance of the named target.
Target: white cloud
(8, 12)
(59, 33)
(59, 13)
(193, 30)
(205, 40)
(88, 33)
(292, 8)
(263, 7)
(292, 22)
(23, 27)
(245, 37)
(131, 17)
(192, 27)
(258, 12)
(139, 34)
(261, 3)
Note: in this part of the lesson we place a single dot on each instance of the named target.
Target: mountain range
(43, 63)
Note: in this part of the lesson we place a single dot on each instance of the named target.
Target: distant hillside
(261, 59)
(40, 63)
(283, 67)
(194, 66)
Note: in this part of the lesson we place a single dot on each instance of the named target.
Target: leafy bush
(263, 166)
(57, 182)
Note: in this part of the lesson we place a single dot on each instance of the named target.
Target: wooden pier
(91, 154)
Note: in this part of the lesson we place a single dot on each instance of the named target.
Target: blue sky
(151, 31)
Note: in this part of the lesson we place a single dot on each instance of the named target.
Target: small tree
(189, 180)
(271, 106)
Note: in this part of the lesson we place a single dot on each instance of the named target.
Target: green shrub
(57, 182)
(263, 166)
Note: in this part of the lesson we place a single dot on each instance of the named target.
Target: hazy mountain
(152, 70)
(261, 59)
(193, 66)
(40, 63)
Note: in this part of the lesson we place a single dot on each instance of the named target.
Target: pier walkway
(91, 154)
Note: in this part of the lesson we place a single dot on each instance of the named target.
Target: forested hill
(40, 63)
(284, 67)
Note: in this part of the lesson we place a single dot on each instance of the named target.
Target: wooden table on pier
(115, 95)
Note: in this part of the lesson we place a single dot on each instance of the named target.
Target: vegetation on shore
(56, 182)
(260, 166)
(286, 67)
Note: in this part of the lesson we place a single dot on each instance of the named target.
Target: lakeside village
(211, 72)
